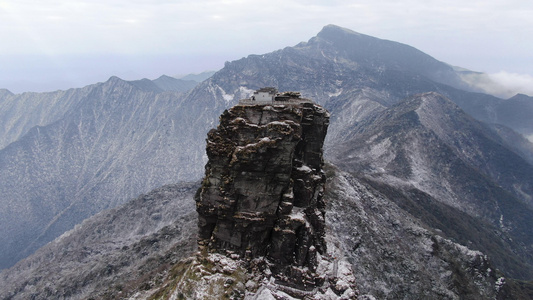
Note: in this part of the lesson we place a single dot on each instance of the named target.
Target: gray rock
(263, 190)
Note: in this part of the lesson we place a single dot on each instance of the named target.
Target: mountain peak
(114, 79)
(166, 77)
(376, 53)
(430, 106)
(522, 97)
(5, 92)
(344, 37)
(142, 84)
(332, 29)
(168, 83)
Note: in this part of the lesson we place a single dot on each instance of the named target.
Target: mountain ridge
(138, 136)
(107, 141)
(114, 260)
(371, 50)
(405, 150)
(116, 249)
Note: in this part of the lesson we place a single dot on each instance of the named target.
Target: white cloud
(501, 84)
(487, 36)
(131, 26)
(530, 138)
(516, 83)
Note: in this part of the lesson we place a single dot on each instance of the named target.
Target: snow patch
(278, 123)
(298, 215)
(245, 92)
(227, 97)
(499, 283)
(381, 148)
(336, 94)
(304, 169)
(265, 294)
(530, 137)
(469, 252)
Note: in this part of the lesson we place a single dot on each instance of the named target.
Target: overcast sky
(53, 44)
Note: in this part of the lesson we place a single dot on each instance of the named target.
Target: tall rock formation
(263, 188)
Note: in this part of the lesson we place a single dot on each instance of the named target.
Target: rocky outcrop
(263, 188)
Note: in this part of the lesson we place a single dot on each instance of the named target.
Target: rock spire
(262, 195)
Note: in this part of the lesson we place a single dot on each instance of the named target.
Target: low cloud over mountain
(501, 84)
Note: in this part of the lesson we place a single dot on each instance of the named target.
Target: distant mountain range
(197, 77)
(446, 166)
(69, 154)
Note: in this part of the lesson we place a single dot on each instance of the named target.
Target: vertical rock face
(263, 188)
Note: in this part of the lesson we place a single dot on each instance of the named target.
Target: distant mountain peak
(166, 77)
(375, 53)
(521, 96)
(161, 84)
(197, 77)
(116, 81)
(5, 92)
(142, 84)
(169, 83)
(338, 34)
(114, 78)
(335, 29)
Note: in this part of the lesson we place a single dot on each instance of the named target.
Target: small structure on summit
(271, 95)
(265, 94)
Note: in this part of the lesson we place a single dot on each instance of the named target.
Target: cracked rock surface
(262, 195)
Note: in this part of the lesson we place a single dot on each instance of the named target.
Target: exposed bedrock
(262, 195)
